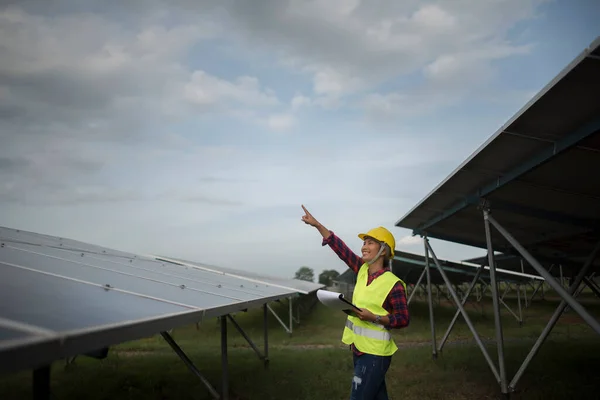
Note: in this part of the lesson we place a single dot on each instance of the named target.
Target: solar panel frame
(29, 344)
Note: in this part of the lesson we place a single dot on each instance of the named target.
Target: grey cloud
(211, 200)
(63, 195)
(11, 164)
(323, 37)
(217, 179)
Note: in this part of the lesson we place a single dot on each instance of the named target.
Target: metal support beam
(279, 319)
(296, 318)
(266, 333)
(291, 316)
(574, 304)
(189, 364)
(559, 310)
(412, 292)
(250, 342)
(593, 286)
(494, 287)
(506, 289)
(224, 361)
(524, 287)
(535, 290)
(464, 300)
(429, 298)
(464, 313)
(552, 150)
(519, 320)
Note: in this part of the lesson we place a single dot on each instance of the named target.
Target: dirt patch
(570, 320)
(134, 353)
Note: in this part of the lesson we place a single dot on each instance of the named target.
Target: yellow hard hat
(382, 235)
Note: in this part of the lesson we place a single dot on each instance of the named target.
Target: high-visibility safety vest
(369, 337)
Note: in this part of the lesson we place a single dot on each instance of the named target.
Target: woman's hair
(386, 255)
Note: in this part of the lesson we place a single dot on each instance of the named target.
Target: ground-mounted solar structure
(464, 278)
(532, 191)
(305, 290)
(61, 298)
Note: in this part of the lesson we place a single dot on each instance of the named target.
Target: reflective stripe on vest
(366, 332)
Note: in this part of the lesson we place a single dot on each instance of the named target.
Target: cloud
(410, 240)
(204, 90)
(77, 108)
(360, 45)
(201, 126)
(299, 101)
(280, 122)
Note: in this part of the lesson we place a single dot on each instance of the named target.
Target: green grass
(312, 364)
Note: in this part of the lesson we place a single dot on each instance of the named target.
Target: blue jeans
(368, 382)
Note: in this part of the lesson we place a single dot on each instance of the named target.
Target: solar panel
(12, 334)
(19, 235)
(303, 287)
(410, 266)
(59, 301)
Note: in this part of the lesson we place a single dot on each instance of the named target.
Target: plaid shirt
(395, 302)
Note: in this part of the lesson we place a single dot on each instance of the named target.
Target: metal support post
(524, 287)
(562, 281)
(189, 364)
(495, 302)
(539, 286)
(291, 316)
(464, 300)
(464, 313)
(510, 310)
(429, 296)
(544, 290)
(519, 302)
(279, 319)
(243, 333)
(535, 290)
(506, 289)
(266, 333)
(574, 304)
(41, 383)
(592, 285)
(559, 310)
(224, 361)
(412, 292)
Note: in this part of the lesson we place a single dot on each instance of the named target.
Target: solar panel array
(60, 297)
(302, 286)
(410, 266)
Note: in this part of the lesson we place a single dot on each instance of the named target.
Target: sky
(196, 129)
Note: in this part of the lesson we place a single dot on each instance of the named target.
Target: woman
(381, 297)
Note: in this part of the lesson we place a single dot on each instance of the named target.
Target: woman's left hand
(365, 315)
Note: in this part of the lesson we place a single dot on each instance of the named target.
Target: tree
(327, 276)
(305, 274)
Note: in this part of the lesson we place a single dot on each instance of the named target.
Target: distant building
(344, 283)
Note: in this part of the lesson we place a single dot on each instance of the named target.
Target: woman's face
(369, 249)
